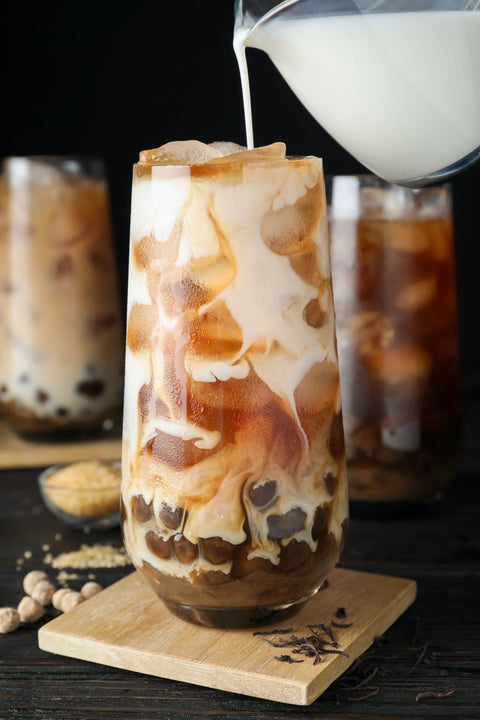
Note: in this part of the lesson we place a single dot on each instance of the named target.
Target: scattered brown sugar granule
(64, 577)
(90, 556)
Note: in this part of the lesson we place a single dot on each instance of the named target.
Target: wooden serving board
(126, 626)
(16, 452)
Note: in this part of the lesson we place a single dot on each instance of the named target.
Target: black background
(109, 78)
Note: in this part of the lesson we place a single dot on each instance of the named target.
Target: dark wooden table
(426, 665)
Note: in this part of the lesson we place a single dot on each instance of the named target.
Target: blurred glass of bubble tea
(61, 371)
(394, 288)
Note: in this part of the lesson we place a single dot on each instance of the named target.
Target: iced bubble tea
(395, 301)
(61, 363)
(234, 485)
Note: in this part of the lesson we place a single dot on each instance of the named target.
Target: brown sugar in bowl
(84, 494)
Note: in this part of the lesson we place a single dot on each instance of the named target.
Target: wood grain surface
(126, 626)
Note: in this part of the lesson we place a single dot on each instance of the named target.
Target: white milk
(400, 91)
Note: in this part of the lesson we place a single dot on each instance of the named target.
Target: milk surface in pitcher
(400, 91)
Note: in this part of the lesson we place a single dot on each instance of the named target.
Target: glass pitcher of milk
(395, 82)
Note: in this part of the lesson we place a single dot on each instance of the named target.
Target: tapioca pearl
(171, 517)
(261, 493)
(96, 325)
(336, 443)
(3, 389)
(41, 396)
(294, 555)
(216, 550)
(158, 546)
(319, 523)
(99, 261)
(185, 551)
(313, 314)
(61, 412)
(90, 388)
(140, 509)
(287, 525)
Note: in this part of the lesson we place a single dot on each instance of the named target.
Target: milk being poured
(400, 91)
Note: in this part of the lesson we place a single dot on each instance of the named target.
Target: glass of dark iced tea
(393, 273)
(61, 364)
(234, 484)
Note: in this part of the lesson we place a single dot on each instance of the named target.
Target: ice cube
(226, 147)
(407, 236)
(141, 326)
(180, 152)
(369, 331)
(406, 437)
(289, 230)
(417, 294)
(403, 364)
(275, 151)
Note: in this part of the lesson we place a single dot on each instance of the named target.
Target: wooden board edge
(291, 691)
(391, 613)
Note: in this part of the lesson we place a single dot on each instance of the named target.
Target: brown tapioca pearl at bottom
(185, 551)
(171, 517)
(90, 388)
(319, 523)
(294, 555)
(328, 550)
(216, 550)
(284, 526)
(261, 493)
(336, 443)
(141, 511)
(158, 546)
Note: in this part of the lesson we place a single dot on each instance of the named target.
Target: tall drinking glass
(234, 484)
(393, 269)
(395, 82)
